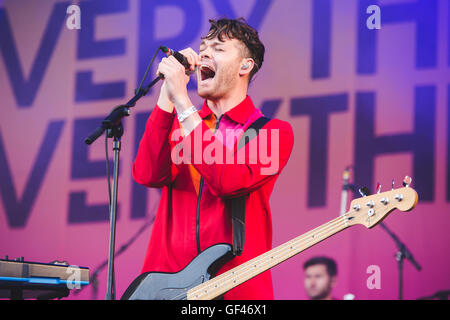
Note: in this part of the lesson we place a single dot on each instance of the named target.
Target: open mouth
(206, 72)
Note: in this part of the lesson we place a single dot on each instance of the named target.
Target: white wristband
(186, 113)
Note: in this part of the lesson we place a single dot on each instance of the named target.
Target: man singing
(194, 211)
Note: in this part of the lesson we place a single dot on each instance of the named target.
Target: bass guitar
(197, 280)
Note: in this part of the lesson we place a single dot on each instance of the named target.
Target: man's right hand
(164, 101)
(192, 57)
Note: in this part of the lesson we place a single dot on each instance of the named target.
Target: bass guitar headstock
(370, 210)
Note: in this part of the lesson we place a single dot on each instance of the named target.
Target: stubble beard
(223, 82)
(323, 294)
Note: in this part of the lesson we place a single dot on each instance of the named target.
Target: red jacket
(177, 235)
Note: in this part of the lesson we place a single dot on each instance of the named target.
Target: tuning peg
(364, 191)
(378, 187)
(407, 181)
(393, 184)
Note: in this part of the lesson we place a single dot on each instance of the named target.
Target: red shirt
(174, 240)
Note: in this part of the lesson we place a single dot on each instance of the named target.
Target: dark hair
(240, 30)
(328, 262)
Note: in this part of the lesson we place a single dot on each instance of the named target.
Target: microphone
(180, 57)
(345, 187)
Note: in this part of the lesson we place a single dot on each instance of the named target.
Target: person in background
(320, 278)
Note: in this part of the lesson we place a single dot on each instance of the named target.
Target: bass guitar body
(174, 286)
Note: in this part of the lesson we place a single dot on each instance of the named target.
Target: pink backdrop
(57, 84)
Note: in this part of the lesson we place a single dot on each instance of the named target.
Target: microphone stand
(402, 253)
(113, 124)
